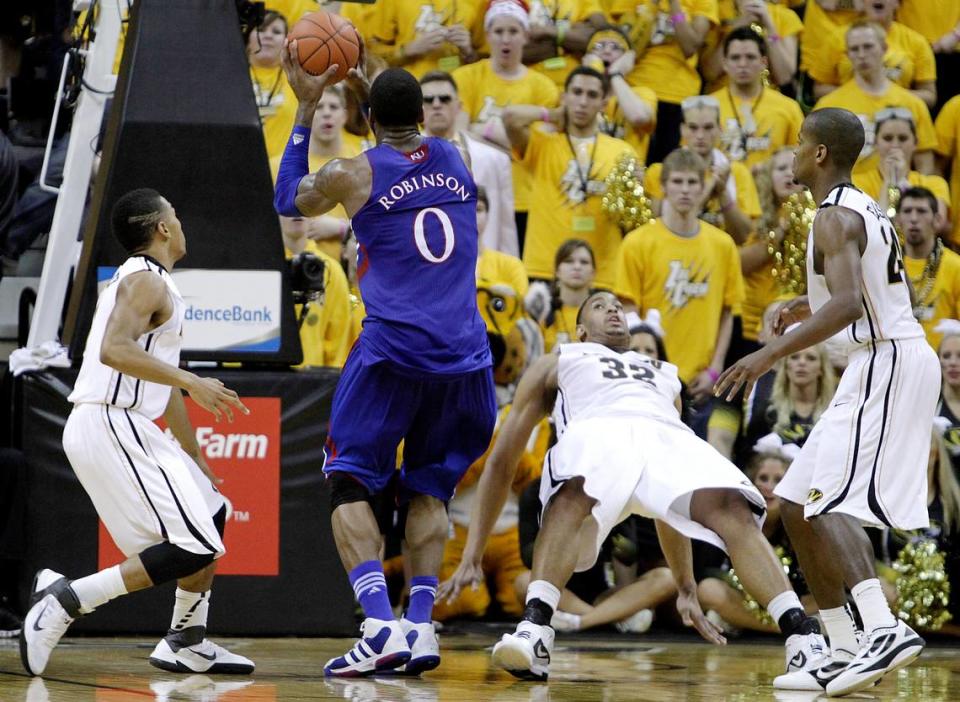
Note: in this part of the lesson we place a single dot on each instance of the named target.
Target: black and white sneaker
(815, 678)
(525, 654)
(46, 622)
(884, 650)
(204, 657)
(805, 652)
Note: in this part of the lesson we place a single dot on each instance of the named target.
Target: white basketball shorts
(867, 455)
(144, 487)
(633, 465)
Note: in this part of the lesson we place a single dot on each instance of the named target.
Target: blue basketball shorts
(446, 424)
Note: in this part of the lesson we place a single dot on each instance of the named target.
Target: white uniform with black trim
(619, 429)
(867, 455)
(142, 484)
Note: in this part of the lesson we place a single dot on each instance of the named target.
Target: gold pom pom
(789, 269)
(923, 589)
(625, 200)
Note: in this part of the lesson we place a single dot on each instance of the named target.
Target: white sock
(872, 605)
(545, 592)
(840, 629)
(99, 588)
(783, 603)
(189, 609)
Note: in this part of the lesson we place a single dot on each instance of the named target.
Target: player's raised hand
(308, 88)
(467, 573)
(215, 397)
(689, 608)
(357, 79)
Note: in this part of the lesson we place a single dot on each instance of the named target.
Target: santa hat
(507, 8)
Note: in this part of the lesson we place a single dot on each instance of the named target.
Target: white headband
(506, 8)
(773, 444)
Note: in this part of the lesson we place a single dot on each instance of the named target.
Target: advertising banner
(227, 310)
(246, 454)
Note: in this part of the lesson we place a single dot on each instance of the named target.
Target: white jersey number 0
(421, 239)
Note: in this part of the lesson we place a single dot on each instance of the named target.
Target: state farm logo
(240, 446)
(246, 454)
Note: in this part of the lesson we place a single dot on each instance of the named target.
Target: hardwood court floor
(602, 668)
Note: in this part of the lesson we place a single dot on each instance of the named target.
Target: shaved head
(840, 131)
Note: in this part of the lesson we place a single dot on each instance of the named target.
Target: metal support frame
(63, 248)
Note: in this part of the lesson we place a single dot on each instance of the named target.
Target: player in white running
(158, 503)
(865, 462)
(622, 450)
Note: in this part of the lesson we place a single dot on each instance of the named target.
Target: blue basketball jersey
(417, 237)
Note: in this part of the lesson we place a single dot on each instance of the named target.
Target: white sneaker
(204, 657)
(382, 646)
(46, 621)
(815, 679)
(637, 623)
(564, 621)
(424, 647)
(884, 650)
(805, 652)
(525, 654)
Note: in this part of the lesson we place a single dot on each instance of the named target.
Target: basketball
(324, 38)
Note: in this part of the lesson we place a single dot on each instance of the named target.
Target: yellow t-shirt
(943, 300)
(277, 105)
(819, 28)
(484, 94)
(560, 14)
(760, 289)
(404, 20)
(563, 330)
(499, 267)
(932, 18)
(753, 130)
(325, 333)
(331, 247)
(786, 23)
(663, 66)
(613, 123)
(564, 210)
(292, 10)
(865, 106)
(948, 136)
(871, 182)
(358, 144)
(357, 312)
(909, 59)
(690, 280)
(748, 200)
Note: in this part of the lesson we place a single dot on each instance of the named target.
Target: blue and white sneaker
(382, 646)
(884, 650)
(424, 647)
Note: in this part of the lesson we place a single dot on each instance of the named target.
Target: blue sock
(423, 591)
(370, 589)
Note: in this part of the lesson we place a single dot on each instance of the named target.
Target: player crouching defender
(158, 503)
(622, 450)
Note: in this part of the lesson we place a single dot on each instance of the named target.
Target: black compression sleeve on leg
(165, 562)
(345, 489)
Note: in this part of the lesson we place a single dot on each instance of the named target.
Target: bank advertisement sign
(226, 310)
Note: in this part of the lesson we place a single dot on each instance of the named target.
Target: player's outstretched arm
(142, 304)
(530, 405)
(838, 235)
(679, 554)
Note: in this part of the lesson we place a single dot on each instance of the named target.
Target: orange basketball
(323, 39)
